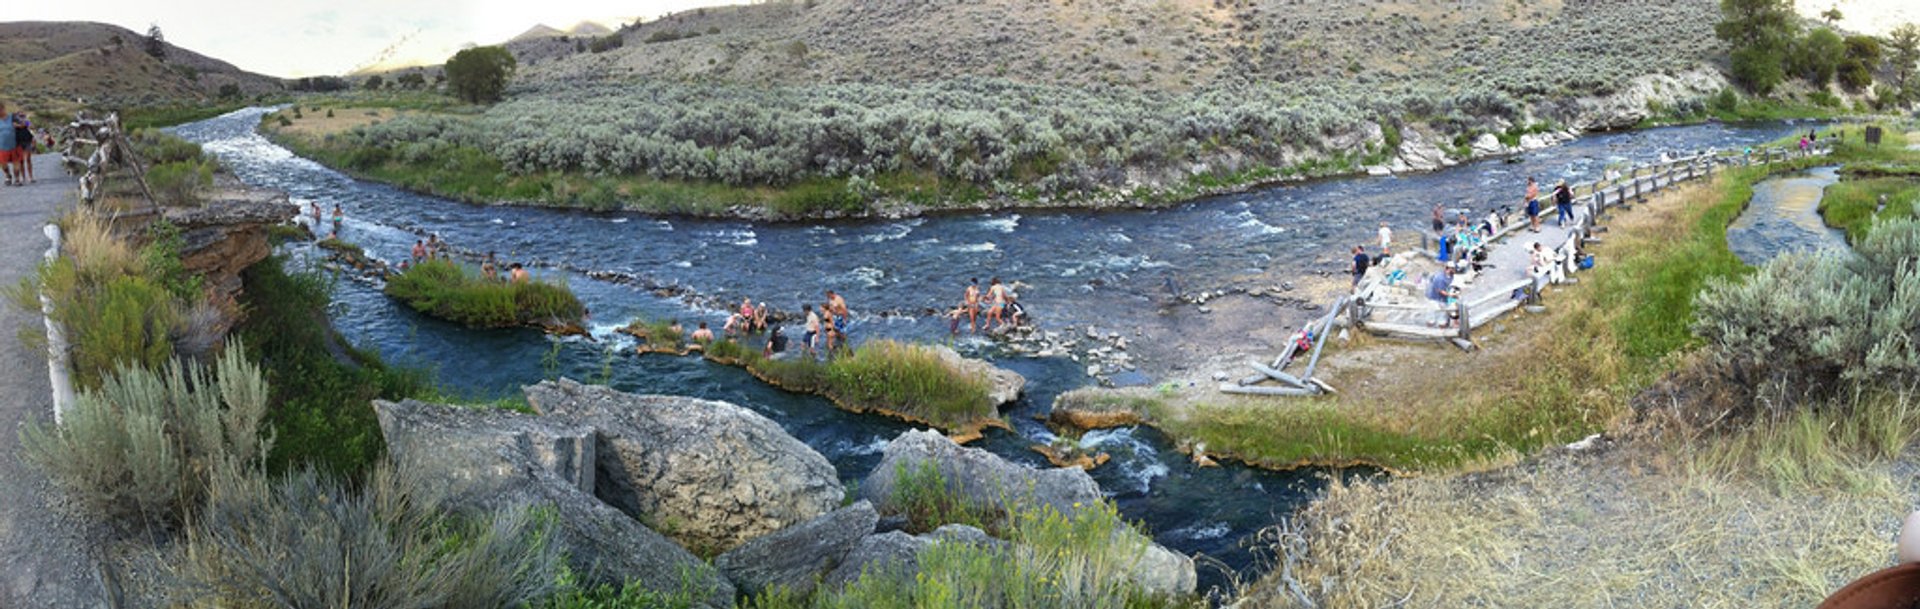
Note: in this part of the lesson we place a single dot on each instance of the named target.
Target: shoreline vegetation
(450, 291)
(910, 382)
(432, 145)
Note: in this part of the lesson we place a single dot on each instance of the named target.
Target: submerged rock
(796, 557)
(710, 475)
(491, 459)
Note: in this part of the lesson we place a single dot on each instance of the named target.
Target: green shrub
(180, 183)
(928, 501)
(146, 442)
(449, 291)
(911, 379)
(692, 594)
(307, 540)
(159, 147)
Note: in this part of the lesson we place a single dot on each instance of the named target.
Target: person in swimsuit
(828, 326)
(972, 304)
(419, 250)
(488, 269)
(520, 274)
(996, 303)
(812, 335)
(1533, 205)
(338, 217)
(747, 315)
(840, 313)
(703, 335)
(1016, 314)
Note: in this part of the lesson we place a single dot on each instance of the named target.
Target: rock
(710, 475)
(1379, 170)
(967, 534)
(494, 459)
(893, 553)
(1093, 370)
(1418, 153)
(1627, 105)
(1536, 141)
(797, 556)
(983, 481)
(1007, 384)
(1164, 571)
(1487, 145)
(1219, 376)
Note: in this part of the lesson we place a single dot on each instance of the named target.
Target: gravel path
(45, 559)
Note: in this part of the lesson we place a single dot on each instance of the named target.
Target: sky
(293, 38)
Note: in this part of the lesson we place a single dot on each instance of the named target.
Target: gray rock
(494, 459)
(1488, 145)
(797, 556)
(1163, 571)
(983, 480)
(894, 554)
(1419, 153)
(1007, 384)
(710, 475)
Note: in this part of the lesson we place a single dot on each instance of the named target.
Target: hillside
(48, 65)
(1519, 46)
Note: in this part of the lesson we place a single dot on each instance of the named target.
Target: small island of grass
(448, 291)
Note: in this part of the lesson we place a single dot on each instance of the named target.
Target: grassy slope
(47, 65)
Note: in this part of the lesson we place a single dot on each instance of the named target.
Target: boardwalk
(44, 555)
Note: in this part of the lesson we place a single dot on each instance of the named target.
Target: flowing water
(1784, 216)
(1080, 267)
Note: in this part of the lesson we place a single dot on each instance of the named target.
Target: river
(1080, 268)
(1784, 216)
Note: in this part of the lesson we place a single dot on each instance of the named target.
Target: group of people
(826, 326)
(999, 303)
(435, 248)
(17, 147)
(1562, 203)
(339, 216)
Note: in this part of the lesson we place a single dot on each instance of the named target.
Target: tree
(1863, 55)
(1903, 51)
(1761, 32)
(411, 80)
(1817, 56)
(230, 91)
(156, 42)
(373, 83)
(1832, 15)
(478, 75)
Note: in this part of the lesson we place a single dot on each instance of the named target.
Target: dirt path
(45, 560)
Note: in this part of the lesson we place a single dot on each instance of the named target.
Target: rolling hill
(51, 65)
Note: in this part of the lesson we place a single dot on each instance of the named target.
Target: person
(1438, 285)
(1439, 218)
(972, 304)
(520, 274)
(1491, 226)
(23, 142)
(1360, 263)
(1895, 586)
(776, 343)
(673, 327)
(953, 319)
(760, 316)
(996, 303)
(840, 314)
(488, 269)
(812, 335)
(1386, 240)
(1533, 205)
(736, 324)
(1563, 202)
(7, 152)
(703, 335)
(1453, 306)
(338, 217)
(1804, 146)
(827, 324)
(419, 250)
(315, 208)
(747, 316)
(1016, 314)
(435, 247)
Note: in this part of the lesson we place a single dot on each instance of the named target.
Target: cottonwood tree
(478, 75)
(1817, 56)
(156, 42)
(1761, 33)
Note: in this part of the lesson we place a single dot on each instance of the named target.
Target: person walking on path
(23, 147)
(1563, 202)
(7, 152)
(1360, 263)
(1386, 240)
(1533, 205)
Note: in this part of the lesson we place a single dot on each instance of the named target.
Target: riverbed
(1076, 269)
(1784, 216)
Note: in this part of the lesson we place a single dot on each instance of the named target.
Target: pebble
(1219, 376)
(1206, 309)
(1093, 370)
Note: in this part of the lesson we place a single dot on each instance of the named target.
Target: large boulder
(796, 557)
(982, 480)
(492, 459)
(1418, 153)
(1007, 384)
(890, 554)
(710, 475)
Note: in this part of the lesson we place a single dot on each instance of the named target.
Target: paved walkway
(45, 560)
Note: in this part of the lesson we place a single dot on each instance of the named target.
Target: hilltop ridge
(53, 64)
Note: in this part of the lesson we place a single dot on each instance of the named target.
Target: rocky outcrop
(890, 554)
(796, 557)
(1418, 153)
(492, 459)
(710, 475)
(1631, 104)
(1007, 384)
(982, 480)
(229, 233)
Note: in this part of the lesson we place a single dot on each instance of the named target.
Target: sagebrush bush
(445, 289)
(1802, 322)
(145, 443)
(119, 305)
(307, 540)
(181, 183)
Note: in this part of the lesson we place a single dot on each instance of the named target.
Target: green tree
(373, 83)
(411, 80)
(1832, 15)
(156, 42)
(1817, 56)
(1761, 33)
(1903, 51)
(1863, 55)
(230, 91)
(478, 75)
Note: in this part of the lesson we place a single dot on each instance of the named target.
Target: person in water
(776, 343)
(1533, 205)
(760, 316)
(520, 274)
(489, 269)
(1016, 314)
(996, 303)
(971, 303)
(703, 335)
(838, 306)
(339, 217)
(812, 336)
(419, 250)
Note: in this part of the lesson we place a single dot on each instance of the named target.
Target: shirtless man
(838, 307)
(812, 335)
(520, 274)
(973, 304)
(703, 335)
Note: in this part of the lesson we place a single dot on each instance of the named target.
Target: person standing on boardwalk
(1563, 202)
(1386, 240)
(1533, 205)
(972, 302)
(1360, 263)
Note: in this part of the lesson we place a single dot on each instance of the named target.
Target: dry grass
(1634, 527)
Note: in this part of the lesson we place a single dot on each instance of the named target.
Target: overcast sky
(320, 37)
